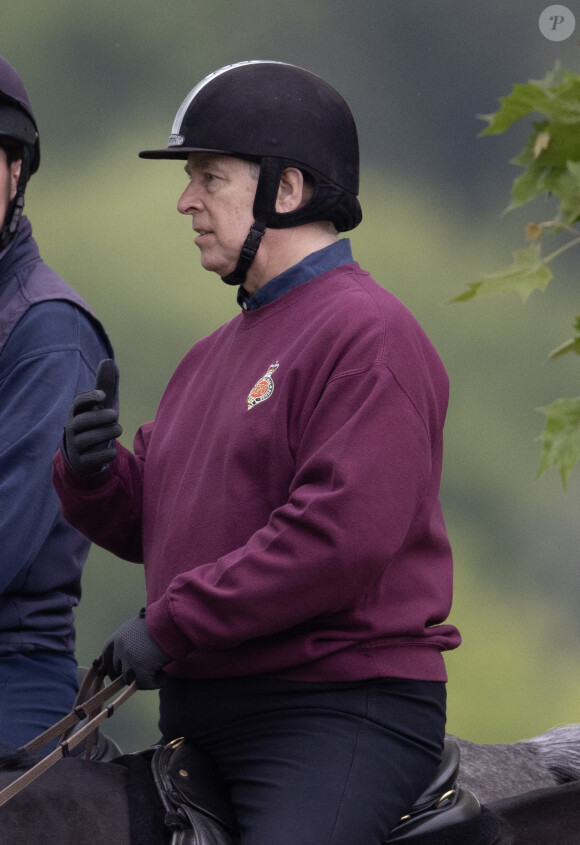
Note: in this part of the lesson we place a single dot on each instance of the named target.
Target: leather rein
(88, 705)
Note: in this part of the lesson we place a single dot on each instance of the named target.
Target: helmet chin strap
(247, 254)
(328, 202)
(16, 207)
(264, 208)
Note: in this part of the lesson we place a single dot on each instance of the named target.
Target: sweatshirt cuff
(62, 470)
(165, 631)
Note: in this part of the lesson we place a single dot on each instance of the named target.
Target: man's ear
(15, 169)
(290, 190)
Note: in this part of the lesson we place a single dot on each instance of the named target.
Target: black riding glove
(92, 424)
(132, 653)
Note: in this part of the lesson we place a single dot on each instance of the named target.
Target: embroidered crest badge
(263, 388)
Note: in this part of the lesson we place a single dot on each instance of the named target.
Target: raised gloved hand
(132, 653)
(93, 425)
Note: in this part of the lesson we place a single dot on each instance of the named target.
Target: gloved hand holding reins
(132, 653)
(92, 424)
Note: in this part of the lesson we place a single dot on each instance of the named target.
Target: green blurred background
(106, 78)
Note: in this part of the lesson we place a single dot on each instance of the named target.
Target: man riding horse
(285, 500)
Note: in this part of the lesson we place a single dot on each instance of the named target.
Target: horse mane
(559, 749)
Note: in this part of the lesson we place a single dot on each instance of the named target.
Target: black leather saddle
(197, 805)
(442, 805)
(198, 808)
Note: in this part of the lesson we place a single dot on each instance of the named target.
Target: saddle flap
(190, 777)
(444, 780)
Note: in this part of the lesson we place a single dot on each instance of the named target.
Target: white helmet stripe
(175, 129)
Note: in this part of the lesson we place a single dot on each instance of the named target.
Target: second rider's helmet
(19, 135)
(278, 115)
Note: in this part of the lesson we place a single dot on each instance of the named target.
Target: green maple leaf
(524, 99)
(527, 273)
(537, 179)
(549, 167)
(557, 96)
(561, 437)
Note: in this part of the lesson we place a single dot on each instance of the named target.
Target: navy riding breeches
(313, 763)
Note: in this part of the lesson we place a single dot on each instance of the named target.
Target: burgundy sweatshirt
(285, 500)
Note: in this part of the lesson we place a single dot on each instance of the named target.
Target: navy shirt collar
(313, 265)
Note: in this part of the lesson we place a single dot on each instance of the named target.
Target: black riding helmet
(280, 116)
(19, 133)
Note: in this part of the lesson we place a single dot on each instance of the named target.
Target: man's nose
(190, 200)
